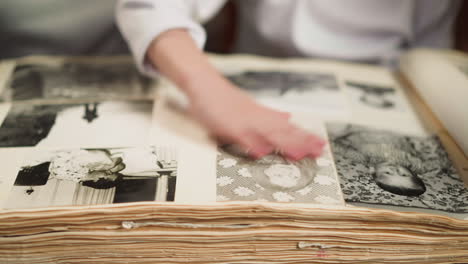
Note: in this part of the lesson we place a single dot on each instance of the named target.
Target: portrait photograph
(95, 176)
(275, 179)
(387, 168)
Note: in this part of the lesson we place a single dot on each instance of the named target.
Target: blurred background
(70, 27)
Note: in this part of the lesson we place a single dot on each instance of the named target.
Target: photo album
(90, 145)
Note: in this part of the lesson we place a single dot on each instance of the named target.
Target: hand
(117, 165)
(228, 113)
(110, 173)
(103, 163)
(233, 117)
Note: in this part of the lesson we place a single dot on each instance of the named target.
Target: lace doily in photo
(76, 165)
(273, 179)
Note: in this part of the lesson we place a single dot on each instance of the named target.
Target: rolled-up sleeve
(141, 21)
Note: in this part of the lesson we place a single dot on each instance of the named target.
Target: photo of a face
(281, 175)
(382, 167)
(398, 180)
(273, 178)
(388, 171)
(277, 173)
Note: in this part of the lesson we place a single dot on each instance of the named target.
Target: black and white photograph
(292, 91)
(387, 168)
(275, 179)
(95, 124)
(376, 97)
(76, 81)
(95, 176)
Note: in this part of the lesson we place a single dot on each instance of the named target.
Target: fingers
(117, 168)
(295, 143)
(285, 115)
(235, 118)
(116, 160)
(290, 141)
(250, 144)
(118, 165)
(255, 146)
(285, 139)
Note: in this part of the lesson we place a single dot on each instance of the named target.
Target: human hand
(109, 174)
(117, 165)
(101, 163)
(233, 117)
(228, 113)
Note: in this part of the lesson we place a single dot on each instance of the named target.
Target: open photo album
(82, 137)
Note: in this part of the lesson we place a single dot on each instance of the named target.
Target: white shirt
(358, 30)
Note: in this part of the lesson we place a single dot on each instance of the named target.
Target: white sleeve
(141, 21)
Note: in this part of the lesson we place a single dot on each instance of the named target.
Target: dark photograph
(388, 168)
(76, 80)
(81, 125)
(279, 83)
(95, 176)
(299, 91)
(375, 96)
(275, 179)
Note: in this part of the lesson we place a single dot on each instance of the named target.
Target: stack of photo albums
(101, 165)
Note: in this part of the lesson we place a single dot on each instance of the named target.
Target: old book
(95, 178)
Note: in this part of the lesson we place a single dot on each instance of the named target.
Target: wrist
(204, 85)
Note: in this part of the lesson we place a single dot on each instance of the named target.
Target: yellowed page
(196, 173)
(440, 80)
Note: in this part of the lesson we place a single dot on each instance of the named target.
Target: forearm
(162, 36)
(176, 55)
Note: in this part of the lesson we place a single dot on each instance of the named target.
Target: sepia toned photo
(95, 176)
(387, 168)
(301, 91)
(76, 80)
(81, 125)
(275, 179)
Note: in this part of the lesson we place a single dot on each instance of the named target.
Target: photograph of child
(383, 167)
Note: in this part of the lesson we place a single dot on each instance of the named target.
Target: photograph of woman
(96, 176)
(384, 167)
